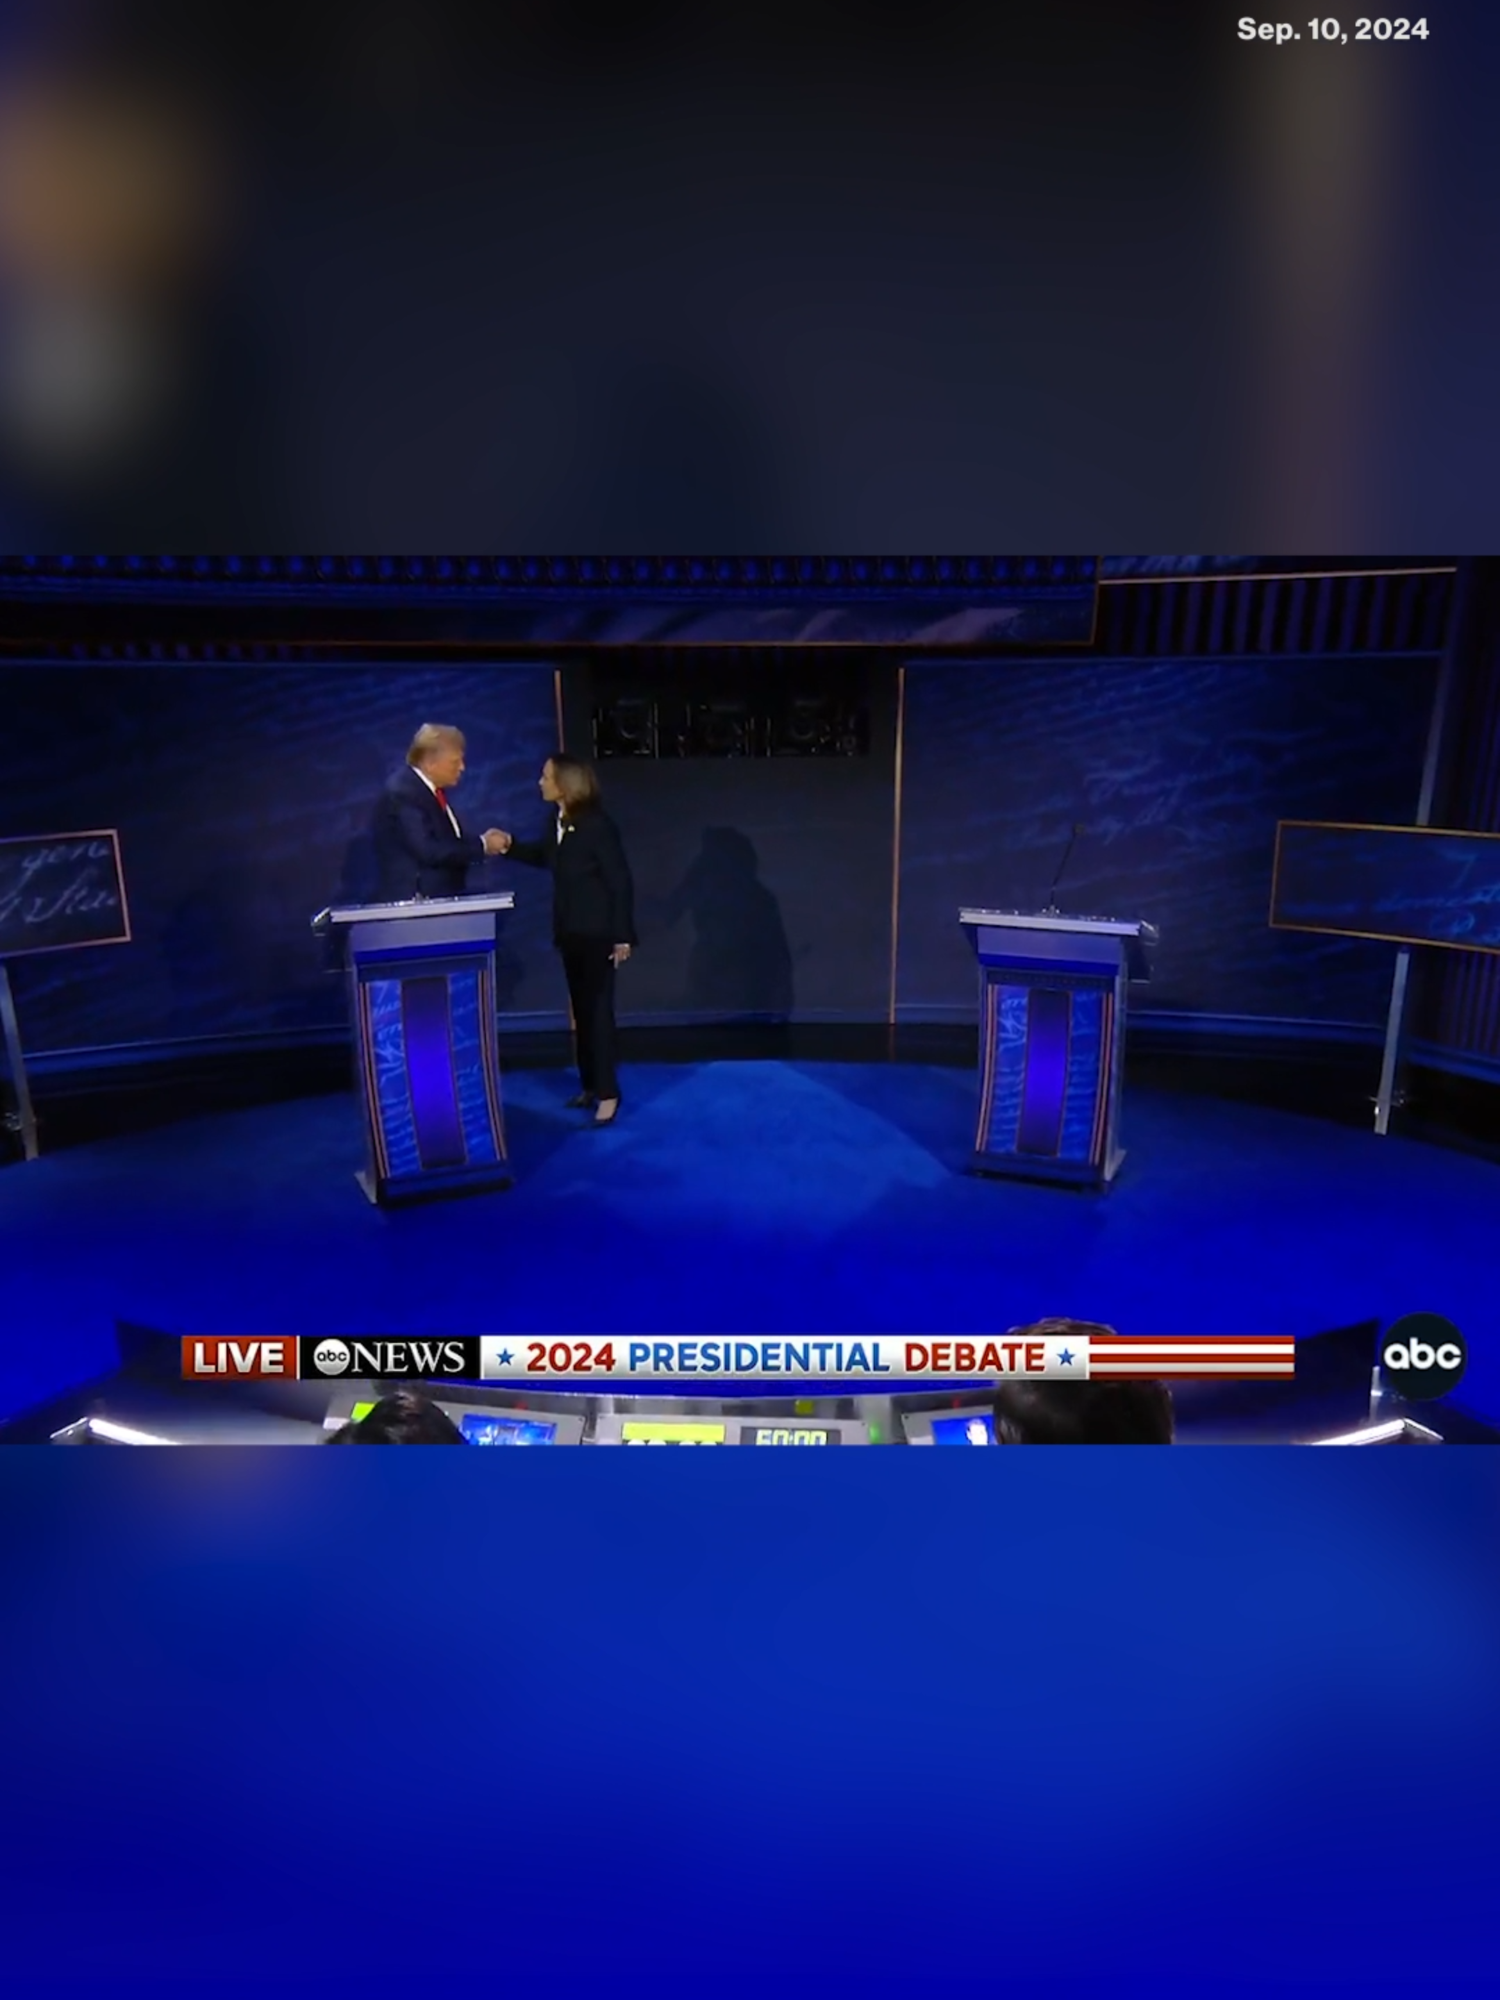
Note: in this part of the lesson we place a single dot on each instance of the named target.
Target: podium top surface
(418, 907)
(1042, 920)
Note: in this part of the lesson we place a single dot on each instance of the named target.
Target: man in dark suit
(422, 847)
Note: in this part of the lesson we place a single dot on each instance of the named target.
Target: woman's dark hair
(403, 1417)
(577, 782)
(1083, 1413)
(1129, 1412)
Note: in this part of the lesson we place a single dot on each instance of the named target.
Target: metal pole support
(25, 1115)
(1387, 1095)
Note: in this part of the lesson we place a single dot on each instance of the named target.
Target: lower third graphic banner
(879, 1360)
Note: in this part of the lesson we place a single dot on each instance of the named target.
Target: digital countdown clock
(787, 1434)
(732, 1428)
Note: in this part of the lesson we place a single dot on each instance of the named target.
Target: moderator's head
(403, 1417)
(1127, 1412)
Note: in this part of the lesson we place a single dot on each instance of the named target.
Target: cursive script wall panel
(61, 890)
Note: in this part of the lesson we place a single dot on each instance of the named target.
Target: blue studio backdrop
(244, 795)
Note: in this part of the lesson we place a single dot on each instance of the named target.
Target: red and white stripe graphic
(1205, 1357)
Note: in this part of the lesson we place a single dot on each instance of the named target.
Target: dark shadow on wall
(359, 874)
(359, 882)
(741, 960)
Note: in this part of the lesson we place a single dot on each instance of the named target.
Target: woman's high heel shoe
(613, 1115)
(584, 1101)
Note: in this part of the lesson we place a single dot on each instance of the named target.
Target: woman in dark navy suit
(593, 918)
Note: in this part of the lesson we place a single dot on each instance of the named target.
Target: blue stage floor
(746, 1197)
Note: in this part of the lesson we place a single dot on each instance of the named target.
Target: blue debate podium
(422, 996)
(1052, 995)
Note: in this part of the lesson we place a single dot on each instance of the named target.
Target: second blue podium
(1052, 993)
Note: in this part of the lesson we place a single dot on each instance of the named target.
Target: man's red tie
(441, 796)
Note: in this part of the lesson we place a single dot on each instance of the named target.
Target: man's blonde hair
(433, 736)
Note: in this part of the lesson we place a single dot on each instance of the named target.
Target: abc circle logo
(1423, 1357)
(332, 1357)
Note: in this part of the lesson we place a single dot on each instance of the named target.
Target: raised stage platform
(748, 1197)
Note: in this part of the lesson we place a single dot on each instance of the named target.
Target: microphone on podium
(1051, 909)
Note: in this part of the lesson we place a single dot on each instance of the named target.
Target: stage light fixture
(725, 728)
(818, 725)
(625, 727)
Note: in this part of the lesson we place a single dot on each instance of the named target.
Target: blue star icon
(1065, 1358)
(505, 1357)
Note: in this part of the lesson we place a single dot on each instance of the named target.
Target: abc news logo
(314, 1358)
(330, 1358)
(1423, 1357)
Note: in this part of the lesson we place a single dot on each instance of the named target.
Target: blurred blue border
(707, 1721)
